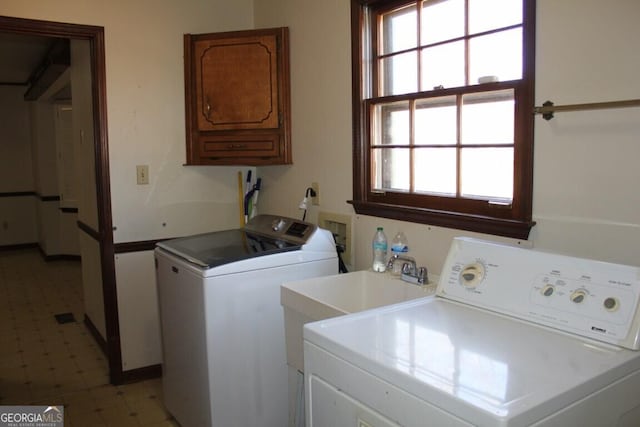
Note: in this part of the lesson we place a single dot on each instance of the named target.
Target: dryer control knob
(578, 296)
(548, 290)
(278, 224)
(471, 275)
(611, 304)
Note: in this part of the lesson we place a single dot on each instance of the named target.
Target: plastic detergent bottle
(399, 246)
(379, 251)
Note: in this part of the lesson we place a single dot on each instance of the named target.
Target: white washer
(514, 337)
(224, 358)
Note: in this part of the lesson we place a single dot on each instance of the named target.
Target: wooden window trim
(513, 221)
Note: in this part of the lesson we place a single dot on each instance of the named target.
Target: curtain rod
(548, 108)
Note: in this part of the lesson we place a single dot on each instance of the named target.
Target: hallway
(44, 362)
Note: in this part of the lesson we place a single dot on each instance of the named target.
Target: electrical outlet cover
(142, 174)
(340, 226)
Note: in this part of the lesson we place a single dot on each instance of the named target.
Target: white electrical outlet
(142, 174)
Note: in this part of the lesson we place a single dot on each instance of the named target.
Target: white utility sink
(330, 296)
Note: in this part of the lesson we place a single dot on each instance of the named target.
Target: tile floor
(43, 362)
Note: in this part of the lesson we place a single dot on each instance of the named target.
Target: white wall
(16, 173)
(586, 174)
(585, 198)
(18, 220)
(17, 214)
(43, 147)
(145, 109)
(92, 283)
(320, 62)
(138, 308)
(68, 182)
(82, 131)
(56, 230)
(28, 164)
(45, 170)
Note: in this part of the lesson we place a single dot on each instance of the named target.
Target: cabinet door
(237, 86)
(237, 97)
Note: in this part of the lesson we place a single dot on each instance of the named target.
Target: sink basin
(330, 296)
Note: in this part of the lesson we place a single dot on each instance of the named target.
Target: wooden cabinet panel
(258, 146)
(236, 78)
(237, 97)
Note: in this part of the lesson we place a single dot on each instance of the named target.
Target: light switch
(142, 174)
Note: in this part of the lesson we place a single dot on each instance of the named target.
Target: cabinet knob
(236, 146)
(208, 107)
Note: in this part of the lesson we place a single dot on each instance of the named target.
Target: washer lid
(263, 235)
(222, 247)
(486, 368)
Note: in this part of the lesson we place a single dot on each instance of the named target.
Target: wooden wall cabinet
(237, 97)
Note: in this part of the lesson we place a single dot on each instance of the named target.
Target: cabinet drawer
(240, 146)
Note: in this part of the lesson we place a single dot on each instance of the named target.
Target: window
(443, 112)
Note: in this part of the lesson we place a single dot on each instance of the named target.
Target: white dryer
(514, 337)
(224, 358)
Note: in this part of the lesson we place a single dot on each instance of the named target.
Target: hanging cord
(342, 267)
(304, 204)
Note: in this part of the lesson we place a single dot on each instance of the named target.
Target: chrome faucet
(407, 259)
(412, 276)
(410, 272)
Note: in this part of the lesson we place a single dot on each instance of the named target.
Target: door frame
(104, 234)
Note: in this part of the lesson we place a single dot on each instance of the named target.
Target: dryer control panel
(279, 227)
(594, 299)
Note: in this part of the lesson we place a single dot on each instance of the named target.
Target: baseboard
(18, 246)
(141, 374)
(35, 245)
(102, 343)
(58, 257)
(62, 258)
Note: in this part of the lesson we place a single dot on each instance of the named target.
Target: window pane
(435, 171)
(487, 117)
(498, 54)
(417, 184)
(391, 169)
(391, 124)
(435, 122)
(442, 21)
(487, 15)
(399, 30)
(443, 65)
(399, 74)
(487, 173)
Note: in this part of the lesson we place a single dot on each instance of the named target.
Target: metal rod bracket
(549, 114)
(548, 108)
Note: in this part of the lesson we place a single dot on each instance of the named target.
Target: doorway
(102, 235)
